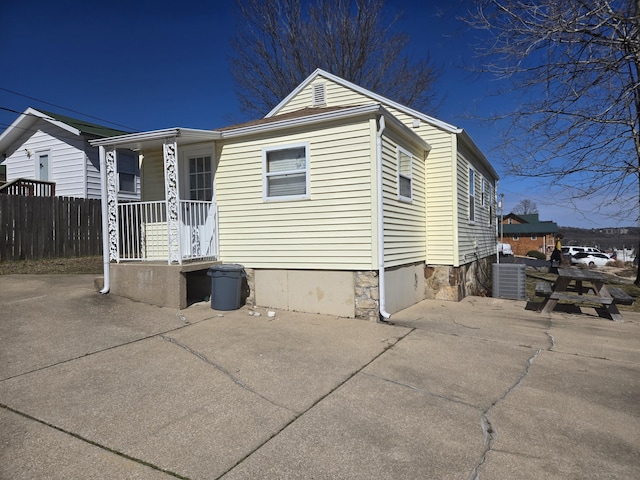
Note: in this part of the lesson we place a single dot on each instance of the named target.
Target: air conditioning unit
(509, 280)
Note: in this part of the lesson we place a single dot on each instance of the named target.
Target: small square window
(286, 173)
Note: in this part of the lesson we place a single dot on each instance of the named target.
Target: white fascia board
(24, 123)
(468, 141)
(305, 82)
(393, 122)
(141, 137)
(342, 114)
(341, 81)
(301, 121)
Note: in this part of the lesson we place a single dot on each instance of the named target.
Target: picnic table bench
(603, 294)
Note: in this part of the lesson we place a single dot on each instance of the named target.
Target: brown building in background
(526, 232)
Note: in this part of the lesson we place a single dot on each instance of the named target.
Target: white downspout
(381, 279)
(105, 222)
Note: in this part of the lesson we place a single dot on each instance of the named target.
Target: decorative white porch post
(170, 150)
(112, 202)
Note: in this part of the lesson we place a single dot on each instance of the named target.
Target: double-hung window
(404, 174)
(472, 195)
(286, 172)
(127, 171)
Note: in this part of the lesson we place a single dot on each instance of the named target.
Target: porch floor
(161, 284)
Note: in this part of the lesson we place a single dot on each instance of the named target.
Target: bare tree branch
(575, 65)
(279, 43)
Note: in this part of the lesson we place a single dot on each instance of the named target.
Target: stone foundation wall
(367, 295)
(250, 300)
(444, 282)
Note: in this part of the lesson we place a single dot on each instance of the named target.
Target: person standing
(556, 255)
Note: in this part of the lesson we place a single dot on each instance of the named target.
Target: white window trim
(472, 195)
(135, 173)
(404, 198)
(265, 174)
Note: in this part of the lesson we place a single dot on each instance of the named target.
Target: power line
(63, 108)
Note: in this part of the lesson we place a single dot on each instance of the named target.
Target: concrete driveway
(101, 387)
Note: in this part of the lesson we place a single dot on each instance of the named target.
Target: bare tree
(525, 207)
(280, 42)
(575, 66)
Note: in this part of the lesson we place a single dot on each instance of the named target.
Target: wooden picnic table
(603, 294)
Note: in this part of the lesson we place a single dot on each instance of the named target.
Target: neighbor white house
(54, 148)
(339, 201)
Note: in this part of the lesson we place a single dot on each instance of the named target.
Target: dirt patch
(52, 266)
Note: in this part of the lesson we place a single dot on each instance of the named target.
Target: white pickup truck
(504, 249)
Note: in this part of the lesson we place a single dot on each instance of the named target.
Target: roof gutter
(156, 135)
(381, 274)
(105, 222)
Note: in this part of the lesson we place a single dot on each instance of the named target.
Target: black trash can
(226, 286)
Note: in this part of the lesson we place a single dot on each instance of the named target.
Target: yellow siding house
(338, 201)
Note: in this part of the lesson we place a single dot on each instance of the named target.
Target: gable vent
(319, 95)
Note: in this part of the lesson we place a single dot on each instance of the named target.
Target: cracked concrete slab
(52, 319)
(467, 370)
(572, 417)
(479, 389)
(30, 450)
(372, 428)
(152, 401)
(293, 359)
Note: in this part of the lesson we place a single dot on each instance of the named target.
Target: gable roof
(368, 93)
(303, 117)
(31, 116)
(463, 135)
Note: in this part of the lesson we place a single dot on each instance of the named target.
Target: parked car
(591, 259)
(504, 249)
(574, 250)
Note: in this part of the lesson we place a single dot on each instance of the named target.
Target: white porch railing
(143, 231)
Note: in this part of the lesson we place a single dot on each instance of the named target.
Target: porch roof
(155, 138)
(303, 117)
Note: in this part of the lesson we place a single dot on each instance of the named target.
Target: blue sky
(147, 65)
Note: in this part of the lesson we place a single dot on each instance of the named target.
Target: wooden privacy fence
(49, 227)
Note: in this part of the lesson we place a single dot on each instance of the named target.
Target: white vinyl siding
(331, 230)
(66, 159)
(74, 165)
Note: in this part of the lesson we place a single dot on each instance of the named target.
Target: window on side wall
(405, 161)
(127, 172)
(472, 195)
(482, 193)
(286, 172)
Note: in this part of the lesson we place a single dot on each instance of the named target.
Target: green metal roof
(529, 228)
(84, 126)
